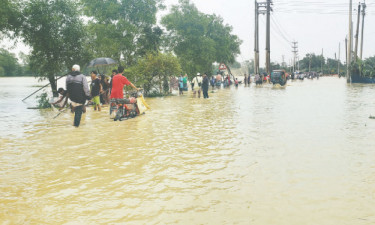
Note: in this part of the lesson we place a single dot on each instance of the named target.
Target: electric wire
(281, 41)
(281, 32)
(317, 7)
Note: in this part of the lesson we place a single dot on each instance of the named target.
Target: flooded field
(304, 154)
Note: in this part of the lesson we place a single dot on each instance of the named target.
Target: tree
(10, 16)
(117, 27)
(365, 67)
(311, 62)
(153, 70)
(8, 63)
(55, 32)
(149, 41)
(314, 62)
(199, 39)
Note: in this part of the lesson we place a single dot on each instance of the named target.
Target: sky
(317, 25)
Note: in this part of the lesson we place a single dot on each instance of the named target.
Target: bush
(43, 101)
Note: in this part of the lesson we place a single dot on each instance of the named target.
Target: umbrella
(101, 62)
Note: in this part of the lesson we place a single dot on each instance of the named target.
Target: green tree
(331, 66)
(153, 70)
(55, 32)
(10, 16)
(9, 64)
(312, 62)
(150, 40)
(2, 71)
(368, 68)
(117, 27)
(365, 67)
(199, 39)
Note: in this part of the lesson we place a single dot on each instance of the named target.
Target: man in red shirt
(118, 82)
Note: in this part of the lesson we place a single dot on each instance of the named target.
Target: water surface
(303, 154)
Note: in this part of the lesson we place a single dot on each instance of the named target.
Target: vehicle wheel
(118, 114)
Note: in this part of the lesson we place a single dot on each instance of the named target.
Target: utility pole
(363, 25)
(268, 39)
(349, 58)
(256, 40)
(357, 33)
(346, 50)
(263, 8)
(338, 62)
(295, 52)
(310, 63)
(321, 64)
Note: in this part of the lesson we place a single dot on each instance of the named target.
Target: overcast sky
(314, 24)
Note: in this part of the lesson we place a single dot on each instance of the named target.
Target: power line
(281, 41)
(315, 7)
(281, 33)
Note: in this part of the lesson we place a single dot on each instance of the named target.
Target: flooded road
(304, 154)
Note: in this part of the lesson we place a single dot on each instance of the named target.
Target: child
(96, 89)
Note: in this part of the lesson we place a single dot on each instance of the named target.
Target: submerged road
(303, 154)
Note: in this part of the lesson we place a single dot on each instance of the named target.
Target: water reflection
(259, 155)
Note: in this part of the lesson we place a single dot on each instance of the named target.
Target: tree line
(9, 65)
(318, 63)
(66, 32)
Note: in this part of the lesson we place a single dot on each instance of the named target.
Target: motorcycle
(130, 107)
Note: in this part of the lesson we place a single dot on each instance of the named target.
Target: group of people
(101, 91)
(200, 83)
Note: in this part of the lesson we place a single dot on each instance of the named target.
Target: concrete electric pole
(263, 8)
(268, 39)
(338, 62)
(363, 26)
(357, 33)
(256, 40)
(295, 53)
(349, 55)
(321, 64)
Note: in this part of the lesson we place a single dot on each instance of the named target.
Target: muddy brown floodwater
(304, 154)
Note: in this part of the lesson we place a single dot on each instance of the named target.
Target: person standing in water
(205, 85)
(96, 89)
(185, 82)
(78, 92)
(181, 85)
(118, 83)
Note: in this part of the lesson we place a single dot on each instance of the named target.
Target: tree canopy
(57, 35)
(122, 28)
(10, 16)
(153, 69)
(8, 64)
(66, 32)
(199, 39)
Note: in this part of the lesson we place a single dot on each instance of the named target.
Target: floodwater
(304, 154)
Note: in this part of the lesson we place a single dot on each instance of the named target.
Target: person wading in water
(78, 92)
